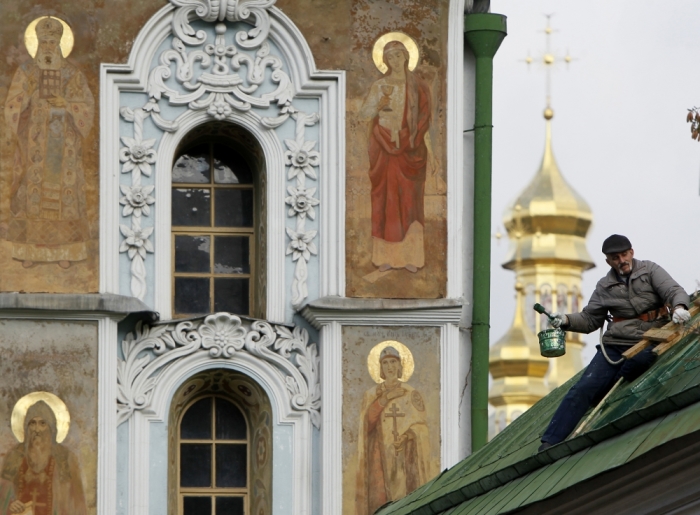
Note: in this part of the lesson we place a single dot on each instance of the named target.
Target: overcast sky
(619, 131)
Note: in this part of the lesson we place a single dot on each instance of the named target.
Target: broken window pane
(231, 255)
(191, 207)
(192, 253)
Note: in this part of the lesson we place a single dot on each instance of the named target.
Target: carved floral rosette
(151, 349)
(222, 77)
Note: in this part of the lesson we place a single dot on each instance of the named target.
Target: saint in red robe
(398, 158)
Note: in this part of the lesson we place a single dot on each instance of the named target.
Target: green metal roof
(508, 473)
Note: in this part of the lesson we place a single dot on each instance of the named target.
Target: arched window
(216, 208)
(213, 458)
(220, 446)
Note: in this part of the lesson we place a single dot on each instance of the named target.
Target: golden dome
(515, 363)
(549, 220)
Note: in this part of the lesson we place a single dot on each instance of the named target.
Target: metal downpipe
(483, 33)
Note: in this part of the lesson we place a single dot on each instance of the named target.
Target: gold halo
(57, 405)
(406, 360)
(378, 50)
(32, 42)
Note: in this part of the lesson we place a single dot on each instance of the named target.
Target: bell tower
(547, 226)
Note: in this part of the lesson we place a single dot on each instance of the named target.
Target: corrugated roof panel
(674, 425)
(543, 490)
(537, 478)
(605, 456)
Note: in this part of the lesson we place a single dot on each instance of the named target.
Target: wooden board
(662, 334)
(636, 349)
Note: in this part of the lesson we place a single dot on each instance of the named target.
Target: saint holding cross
(393, 441)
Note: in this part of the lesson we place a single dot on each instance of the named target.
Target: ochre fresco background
(104, 32)
(60, 358)
(358, 341)
(341, 35)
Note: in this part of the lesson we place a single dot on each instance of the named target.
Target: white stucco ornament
(151, 349)
(223, 73)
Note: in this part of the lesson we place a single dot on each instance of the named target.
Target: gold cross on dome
(549, 58)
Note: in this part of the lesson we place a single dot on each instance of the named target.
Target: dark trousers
(597, 380)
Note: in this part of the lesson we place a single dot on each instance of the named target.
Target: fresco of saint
(398, 108)
(40, 476)
(393, 440)
(49, 111)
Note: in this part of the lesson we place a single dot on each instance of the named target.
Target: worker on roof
(639, 295)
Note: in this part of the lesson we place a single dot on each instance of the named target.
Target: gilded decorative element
(407, 362)
(58, 407)
(31, 41)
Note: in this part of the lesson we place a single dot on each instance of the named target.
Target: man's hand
(680, 315)
(558, 320)
(16, 507)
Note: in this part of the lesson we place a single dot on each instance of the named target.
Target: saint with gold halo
(393, 440)
(49, 111)
(398, 109)
(39, 475)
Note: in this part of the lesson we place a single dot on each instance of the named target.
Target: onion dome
(549, 220)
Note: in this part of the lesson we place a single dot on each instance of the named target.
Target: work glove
(558, 320)
(680, 315)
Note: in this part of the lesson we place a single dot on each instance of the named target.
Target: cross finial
(549, 59)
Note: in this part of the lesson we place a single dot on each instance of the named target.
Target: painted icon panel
(48, 413)
(391, 414)
(48, 131)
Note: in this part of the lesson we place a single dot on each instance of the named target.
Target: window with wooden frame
(213, 458)
(213, 230)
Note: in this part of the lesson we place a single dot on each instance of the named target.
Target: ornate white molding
(222, 78)
(151, 349)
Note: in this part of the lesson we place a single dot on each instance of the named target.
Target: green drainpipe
(484, 33)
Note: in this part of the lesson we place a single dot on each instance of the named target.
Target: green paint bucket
(552, 343)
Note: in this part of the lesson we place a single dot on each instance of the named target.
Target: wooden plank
(636, 349)
(662, 334)
(663, 347)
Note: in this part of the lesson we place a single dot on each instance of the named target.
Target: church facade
(235, 253)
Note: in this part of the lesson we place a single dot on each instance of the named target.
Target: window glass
(192, 253)
(196, 424)
(213, 239)
(232, 255)
(231, 465)
(230, 167)
(234, 208)
(213, 460)
(192, 295)
(195, 464)
(231, 295)
(193, 166)
(230, 424)
(229, 506)
(191, 207)
(197, 506)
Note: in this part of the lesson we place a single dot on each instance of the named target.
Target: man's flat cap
(616, 243)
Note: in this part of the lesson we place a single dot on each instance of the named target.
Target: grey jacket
(650, 287)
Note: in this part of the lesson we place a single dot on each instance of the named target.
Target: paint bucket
(552, 342)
